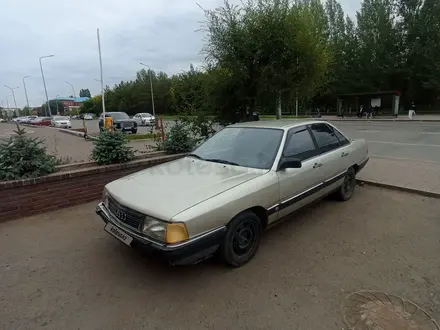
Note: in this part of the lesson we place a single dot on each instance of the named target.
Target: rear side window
(300, 144)
(342, 139)
(325, 137)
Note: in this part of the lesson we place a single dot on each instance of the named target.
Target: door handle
(317, 165)
(345, 154)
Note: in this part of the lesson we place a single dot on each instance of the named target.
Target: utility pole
(278, 114)
(44, 83)
(296, 99)
(151, 88)
(102, 79)
(25, 90)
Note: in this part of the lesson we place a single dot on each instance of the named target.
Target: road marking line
(436, 133)
(404, 159)
(407, 144)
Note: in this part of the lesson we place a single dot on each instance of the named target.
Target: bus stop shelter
(387, 103)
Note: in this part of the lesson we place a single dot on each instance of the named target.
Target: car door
(137, 118)
(299, 186)
(333, 167)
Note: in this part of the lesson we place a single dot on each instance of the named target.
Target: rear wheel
(346, 191)
(242, 239)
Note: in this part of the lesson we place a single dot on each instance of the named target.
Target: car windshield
(119, 115)
(247, 147)
(146, 115)
(60, 118)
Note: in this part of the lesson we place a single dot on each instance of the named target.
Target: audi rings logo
(121, 215)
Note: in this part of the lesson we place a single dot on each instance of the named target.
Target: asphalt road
(419, 141)
(60, 270)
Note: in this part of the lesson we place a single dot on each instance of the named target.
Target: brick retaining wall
(26, 197)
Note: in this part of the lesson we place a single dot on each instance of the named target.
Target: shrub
(179, 139)
(23, 157)
(111, 147)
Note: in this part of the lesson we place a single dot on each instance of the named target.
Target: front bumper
(190, 252)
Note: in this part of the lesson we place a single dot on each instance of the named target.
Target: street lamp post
(25, 90)
(102, 79)
(13, 94)
(44, 83)
(56, 100)
(151, 88)
(73, 88)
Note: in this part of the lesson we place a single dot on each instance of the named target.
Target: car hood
(166, 190)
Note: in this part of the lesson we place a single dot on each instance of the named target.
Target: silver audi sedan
(222, 196)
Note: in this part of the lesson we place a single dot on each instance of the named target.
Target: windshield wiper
(195, 156)
(222, 161)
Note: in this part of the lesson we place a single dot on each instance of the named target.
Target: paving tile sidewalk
(411, 174)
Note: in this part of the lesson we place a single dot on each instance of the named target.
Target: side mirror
(289, 162)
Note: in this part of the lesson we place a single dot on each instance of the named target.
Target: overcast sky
(161, 33)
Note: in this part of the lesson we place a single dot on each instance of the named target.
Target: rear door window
(325, 137)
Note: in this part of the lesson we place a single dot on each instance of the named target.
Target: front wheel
(242, 239)
(134, 131)
(346, 191)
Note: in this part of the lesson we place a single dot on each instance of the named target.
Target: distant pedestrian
(361, 111)
(369, 114)
(412, 111)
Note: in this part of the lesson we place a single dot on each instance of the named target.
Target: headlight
(105, 198)
(154, 228)
(165, 232)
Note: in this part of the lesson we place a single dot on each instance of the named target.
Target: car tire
(242, 239)
(346, 190)
(134, 131)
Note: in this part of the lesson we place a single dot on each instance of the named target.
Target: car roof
(284, 124)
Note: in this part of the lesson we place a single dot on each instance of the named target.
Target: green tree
(111, 147)
(93, 105)
(24, 157)
(85, 93)
(267, 47)
(378, 40)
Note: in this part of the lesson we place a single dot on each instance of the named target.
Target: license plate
(119, 234)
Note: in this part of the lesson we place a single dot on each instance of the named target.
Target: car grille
(124, 214)
(125, 125)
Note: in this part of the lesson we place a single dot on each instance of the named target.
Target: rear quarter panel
(359, 151)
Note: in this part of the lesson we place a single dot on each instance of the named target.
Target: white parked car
(144, 119)
(61, 122)
(88, 116)
(220, 197)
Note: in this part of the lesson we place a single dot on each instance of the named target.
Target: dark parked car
(121, 122)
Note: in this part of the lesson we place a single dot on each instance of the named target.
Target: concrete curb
(68, 131)
(420, 192)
